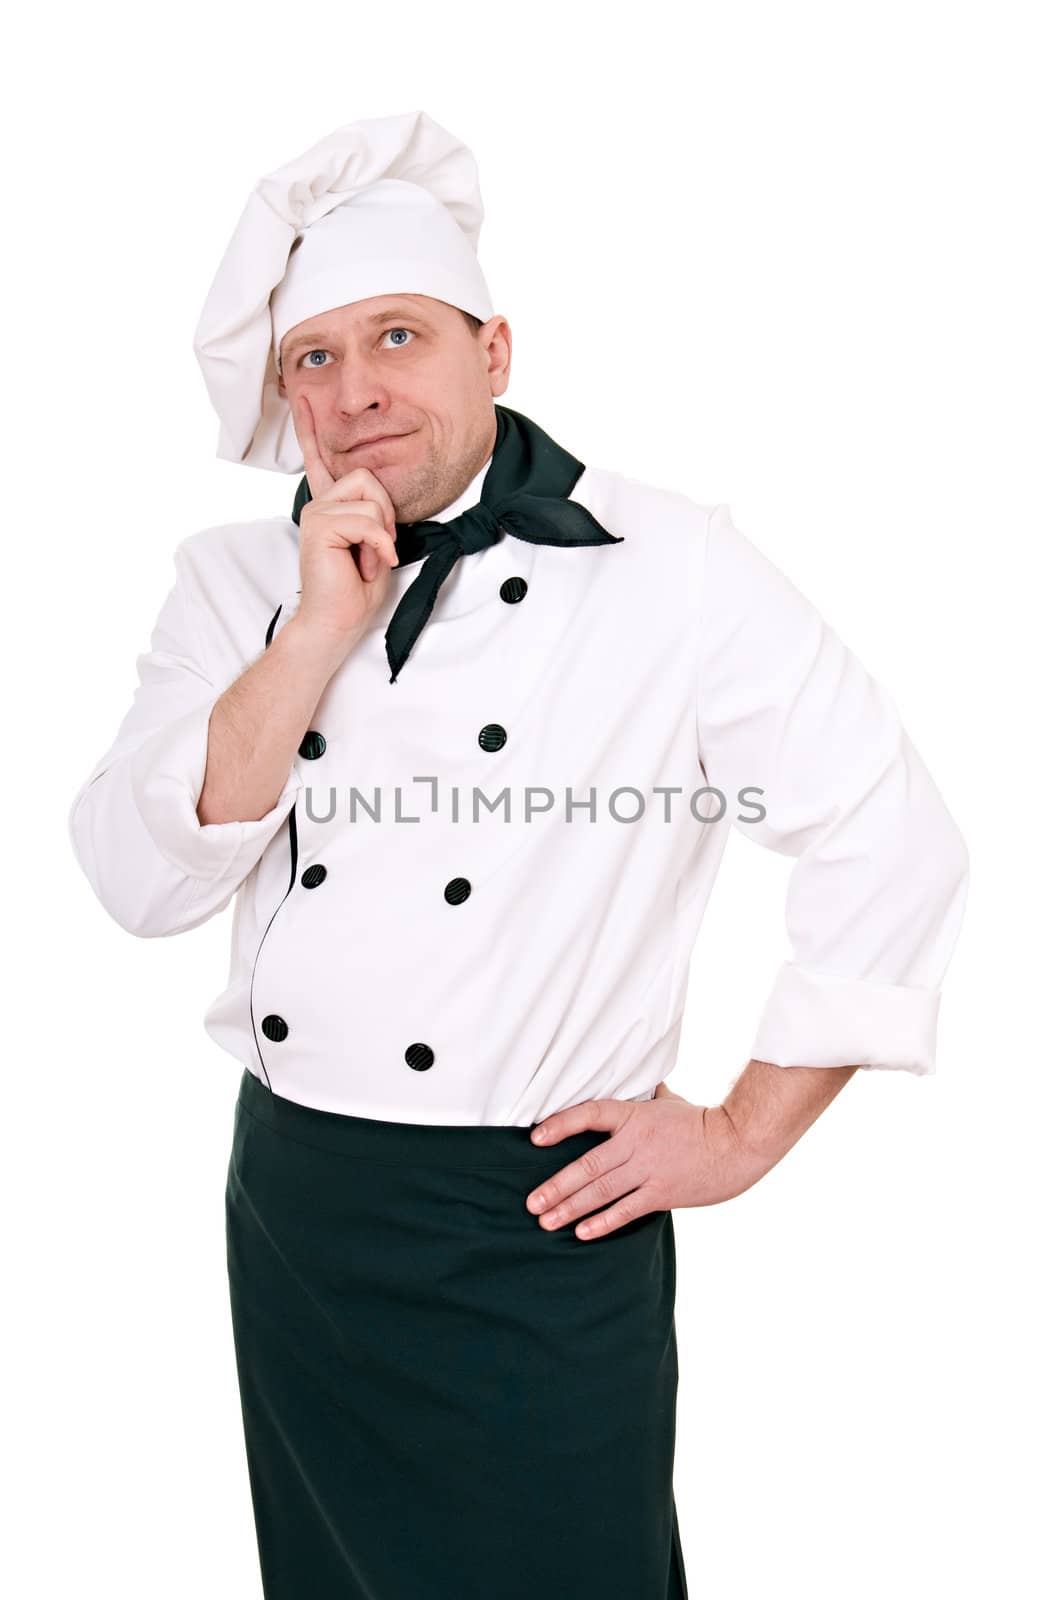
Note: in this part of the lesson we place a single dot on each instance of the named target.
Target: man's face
(401, 364)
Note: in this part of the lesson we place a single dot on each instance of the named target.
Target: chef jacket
(475, 898)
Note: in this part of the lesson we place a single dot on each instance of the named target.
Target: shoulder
(705, 530)
(240, 552)
(633, 508)
(233, 577)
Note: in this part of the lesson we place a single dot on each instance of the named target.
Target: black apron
(443, 1400)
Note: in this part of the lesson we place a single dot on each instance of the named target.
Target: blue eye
(409, 332)
(318, 364)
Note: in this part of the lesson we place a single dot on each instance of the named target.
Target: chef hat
(387, 205)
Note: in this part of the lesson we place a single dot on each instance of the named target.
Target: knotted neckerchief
(526, 488)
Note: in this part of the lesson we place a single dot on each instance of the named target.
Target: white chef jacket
(454, 965)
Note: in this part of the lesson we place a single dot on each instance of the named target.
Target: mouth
(380, 438)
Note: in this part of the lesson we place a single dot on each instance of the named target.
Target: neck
(465, 495)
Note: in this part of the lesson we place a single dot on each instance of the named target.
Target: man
(525, 699)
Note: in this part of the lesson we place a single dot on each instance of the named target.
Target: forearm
(768, 1108)
(257, 725)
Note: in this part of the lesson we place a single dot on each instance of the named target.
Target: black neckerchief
(526, 490)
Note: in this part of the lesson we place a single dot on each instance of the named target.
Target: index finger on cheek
(318, 476)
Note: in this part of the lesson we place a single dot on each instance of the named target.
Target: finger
(577, 1119)
(639, 1203)
(370, 551)
(362, 498)
(361, 528)
(361, 484)
(318, 475)
(367, 559)
(593, 1165)
(576, 1201)
(372, 554)
(358, 484)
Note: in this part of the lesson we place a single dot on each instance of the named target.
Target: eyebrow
(389, 314)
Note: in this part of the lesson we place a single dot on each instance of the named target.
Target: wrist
(735, 1166)
(315, 651)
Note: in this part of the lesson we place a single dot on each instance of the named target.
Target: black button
(313, 745)
(313, 876)
(492, 737)
(274, 1028)
(419, 1056)
(457, 890)
(513, 589)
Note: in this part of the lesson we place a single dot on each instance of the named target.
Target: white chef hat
(387, 205)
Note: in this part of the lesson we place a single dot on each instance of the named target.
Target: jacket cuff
(814, 1020)
(167, 773)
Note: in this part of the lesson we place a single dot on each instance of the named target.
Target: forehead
(363, 314)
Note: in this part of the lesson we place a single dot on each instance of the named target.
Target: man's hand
(346, 544)
(664, 1153)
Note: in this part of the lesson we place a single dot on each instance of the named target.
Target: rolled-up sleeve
(877, 893)
(133, 825)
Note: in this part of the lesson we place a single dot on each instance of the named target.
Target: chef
(464, 734)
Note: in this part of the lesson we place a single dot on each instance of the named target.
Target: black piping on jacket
(293, 842)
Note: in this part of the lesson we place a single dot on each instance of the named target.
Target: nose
(361, 387)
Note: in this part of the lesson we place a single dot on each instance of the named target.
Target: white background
(799, 258)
